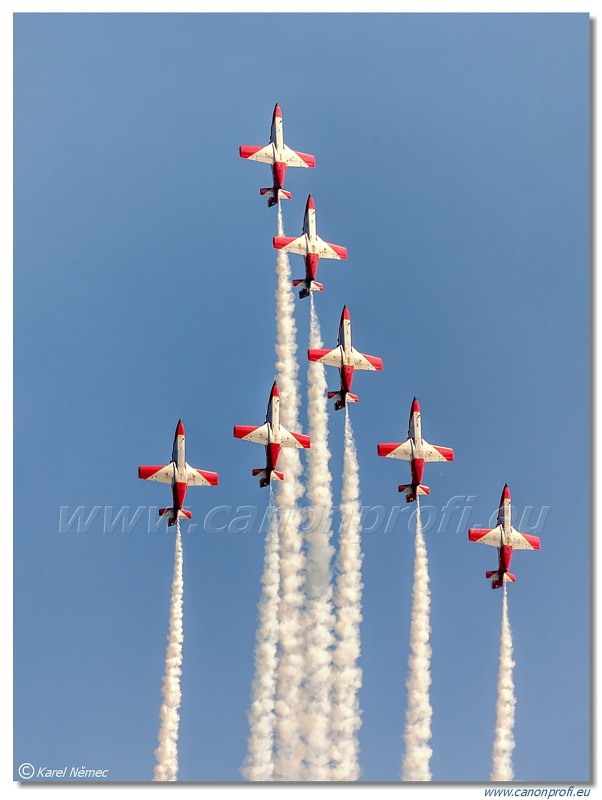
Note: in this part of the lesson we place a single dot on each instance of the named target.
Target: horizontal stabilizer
(271, 192)
(182, 514)
(412, 491)
(264, 480)
(491, 573)
(273, 195)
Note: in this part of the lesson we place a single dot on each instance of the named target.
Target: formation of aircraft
(312, 248)
(276, 153)
(274, 436)
(180, 474)
(347, 359)
(506, 539)
(417, 451)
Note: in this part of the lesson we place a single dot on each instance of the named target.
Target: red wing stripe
(476, 534)
(302, 439)
(147, 472)
(446, 452)
(316, 355)
(376, 362)
(309, 159)
(211, 477)
(282, 241)
(246, 151)
(386, 448)
(533, 540)
(240, 431)
(340, 251)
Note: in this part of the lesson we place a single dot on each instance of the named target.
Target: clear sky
(453, 163)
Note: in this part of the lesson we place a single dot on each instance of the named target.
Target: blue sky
(453, 163)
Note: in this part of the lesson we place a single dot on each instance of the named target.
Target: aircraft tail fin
(307, 287)
(264, 478)
(273, 195)
(182, 514)
(340, 399)
(412, 491)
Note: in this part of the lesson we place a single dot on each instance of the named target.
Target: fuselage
(504, 520)
(277, 140)
(347, 370)
(178, 456)
(417, 460)
(272, 448)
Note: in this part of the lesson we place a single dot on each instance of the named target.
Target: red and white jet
(506, 539)
(279, 156)
(347, 359)
(181, 475)
(311, 247)
(417, 451)
(274, 436)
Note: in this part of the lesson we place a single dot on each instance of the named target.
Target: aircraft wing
(396, 450)
(263, 154)
(362, 361)
(252, 433)
(433, 452)
(295, 159)
(161, 474)
(328, 250)
(334, 357)
(292, 244)
(523, 541)
(200, 477)
(291, 439)
(492, 536)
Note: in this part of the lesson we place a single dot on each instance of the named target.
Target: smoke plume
(503, 744)
(166, 754)
(416, 761)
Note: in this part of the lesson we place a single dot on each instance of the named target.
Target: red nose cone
(180, 429)
(415, 406)
(346, 314)
(506, 493)
(310, 204)
(277, 111)
(275, 391)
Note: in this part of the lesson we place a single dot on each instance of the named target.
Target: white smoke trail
(288, 758)
(346, 713)
(506, 702)
(416, 761)
(259, 762)
(166, 754)
(319, 617)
